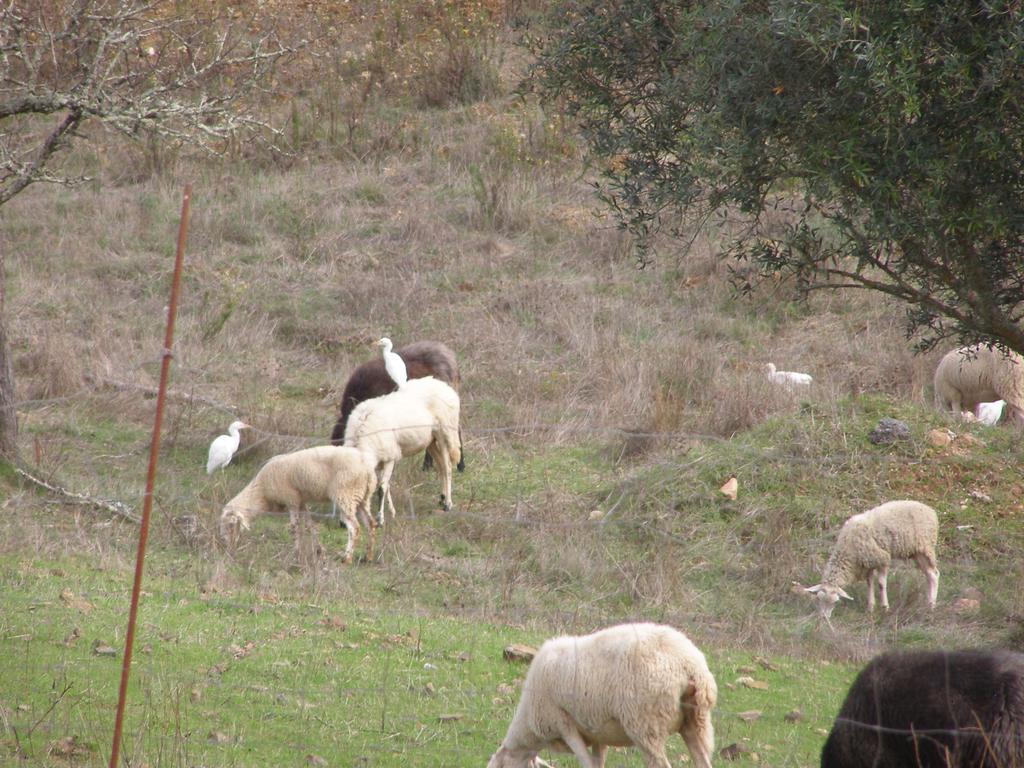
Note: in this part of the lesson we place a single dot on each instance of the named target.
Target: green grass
(268, 674)
(256, 661)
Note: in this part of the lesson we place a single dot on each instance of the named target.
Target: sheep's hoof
(446, 506)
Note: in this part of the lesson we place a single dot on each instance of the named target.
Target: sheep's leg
(872, 579)
(654, 755)
(295, 528)
(391, 504)
(385, 490)
(700, 740)
(352, 524)
(574, 740)
(1014, 415)
(928, 565)
(364, 511)
(883, 581)
(444, 468)
(599, 751)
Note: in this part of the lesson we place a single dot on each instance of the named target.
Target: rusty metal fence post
(147, 500)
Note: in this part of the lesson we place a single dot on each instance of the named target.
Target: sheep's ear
(813, 590)
(843, 594)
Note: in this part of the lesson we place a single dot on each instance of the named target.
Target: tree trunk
(8, 416)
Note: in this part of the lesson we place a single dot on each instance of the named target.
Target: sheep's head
(509, 758)
(232, 523)
(826, 597)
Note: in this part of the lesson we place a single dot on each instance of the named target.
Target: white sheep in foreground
(422, 415)
(628, 685)
(977, 374)
(788, 379)
(869, 542)
(289, 481)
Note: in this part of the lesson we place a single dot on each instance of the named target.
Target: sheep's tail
(700, 695)
(462, 456)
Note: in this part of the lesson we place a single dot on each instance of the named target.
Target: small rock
(596, 514)
(519, 653)
(463, 657)
(196, 694)
(940, 437)
(216, 737)
(765, 664)
(449, 718)
(69, 748)
(72, 636)
(71, 600)
(730, 488)
(749, 682)
(750, 715)
(966, 605)
(745, 670)
(99, 648)
(733, 751)
(315, 760)
(888, 431)
(793, 716)
(979, 496)
(429, 667)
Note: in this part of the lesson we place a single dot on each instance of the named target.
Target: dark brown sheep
(932, 709)
(422, 358)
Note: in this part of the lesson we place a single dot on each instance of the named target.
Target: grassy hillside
(602, 409)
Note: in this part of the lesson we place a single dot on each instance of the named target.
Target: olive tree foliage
(873, 145)
(187, 74)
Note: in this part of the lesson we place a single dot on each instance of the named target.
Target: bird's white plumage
(224, 447)
(990, 413)
(393, 363)
(788, 379)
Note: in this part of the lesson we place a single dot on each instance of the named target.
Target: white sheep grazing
(632, 684)
(289, 481)
(869, 542)
(977, 374)
(422, 415)
(788, 379)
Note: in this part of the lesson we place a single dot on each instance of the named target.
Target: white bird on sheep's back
(393, 362)
(788, 379)
(224, 447)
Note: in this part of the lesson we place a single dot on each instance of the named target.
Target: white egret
(393, 363)
(989, 413)
(224, 447)
(788, 379)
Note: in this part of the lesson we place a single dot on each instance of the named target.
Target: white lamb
(869, 542)
(632, 684)
(291, 480)
(977, 374)
(422, 415)
(791, 380)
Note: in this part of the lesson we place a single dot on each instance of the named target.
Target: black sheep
(932, 709)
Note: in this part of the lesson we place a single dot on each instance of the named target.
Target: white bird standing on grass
(224, 447)
(393, 363)
(788, 379)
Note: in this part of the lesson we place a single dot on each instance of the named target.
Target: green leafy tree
(873, 145)
(169, 72)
